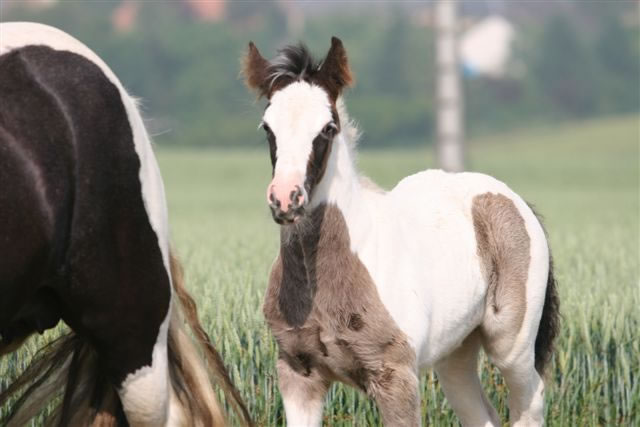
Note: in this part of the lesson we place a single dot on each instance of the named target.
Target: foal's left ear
(335, 74)
(255, 70)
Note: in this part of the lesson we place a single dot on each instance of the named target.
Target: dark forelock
(293, 63)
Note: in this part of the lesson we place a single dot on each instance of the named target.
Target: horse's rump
(85, 202)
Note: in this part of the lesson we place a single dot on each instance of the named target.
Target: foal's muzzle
(293, 210)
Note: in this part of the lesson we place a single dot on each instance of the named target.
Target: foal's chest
(323, 308)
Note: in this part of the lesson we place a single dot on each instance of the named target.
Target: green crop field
(582, 177)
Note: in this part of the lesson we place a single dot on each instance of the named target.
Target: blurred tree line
(574, 63)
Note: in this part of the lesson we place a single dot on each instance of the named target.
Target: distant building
(125, 16)
(29, 4)
(207, 10)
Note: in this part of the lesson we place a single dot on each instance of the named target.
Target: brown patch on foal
(504, 248)
(330, 324)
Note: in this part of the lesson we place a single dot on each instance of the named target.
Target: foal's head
(301, 120)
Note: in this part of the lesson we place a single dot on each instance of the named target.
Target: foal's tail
(67, 371)
(550, 320)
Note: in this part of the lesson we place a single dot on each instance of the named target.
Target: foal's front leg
(395, 390)
(302, 394)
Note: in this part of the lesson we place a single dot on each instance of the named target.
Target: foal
(371, 286)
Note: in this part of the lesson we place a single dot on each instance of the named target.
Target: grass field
(582, 177)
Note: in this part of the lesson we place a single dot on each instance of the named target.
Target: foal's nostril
(297, 198)
(286, 212)
(274, 201)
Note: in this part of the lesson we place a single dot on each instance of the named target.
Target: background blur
(552, 94)
(563, 60)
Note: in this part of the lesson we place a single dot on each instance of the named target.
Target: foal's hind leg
(526, 389)
(509, 340)
(458, 375)
(514, 253)
(514, 355)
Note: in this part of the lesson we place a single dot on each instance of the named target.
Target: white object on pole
(485, 48)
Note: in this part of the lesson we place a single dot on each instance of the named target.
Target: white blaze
(296, 116)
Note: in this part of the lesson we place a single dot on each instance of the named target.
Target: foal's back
(428, 265)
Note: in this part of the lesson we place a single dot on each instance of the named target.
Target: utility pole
(449, 95)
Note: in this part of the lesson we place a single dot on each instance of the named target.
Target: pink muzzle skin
(285, 192)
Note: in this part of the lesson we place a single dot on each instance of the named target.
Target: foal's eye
(329, 130)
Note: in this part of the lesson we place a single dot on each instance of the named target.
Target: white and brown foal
(371, 286)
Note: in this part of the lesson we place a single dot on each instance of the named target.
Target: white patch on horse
(142, 391)
(147, 389)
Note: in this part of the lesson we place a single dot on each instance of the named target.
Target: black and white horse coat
(84, 232)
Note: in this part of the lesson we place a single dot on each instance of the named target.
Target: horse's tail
(69, 367)
(66, 367)
(191, 361)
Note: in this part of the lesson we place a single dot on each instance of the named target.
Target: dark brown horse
(84, 239)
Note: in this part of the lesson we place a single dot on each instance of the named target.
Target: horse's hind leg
(124, 310)
(145, 392)
(458, 375)
(133, 350)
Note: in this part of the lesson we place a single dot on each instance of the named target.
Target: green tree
(619, 65)
(565, 69)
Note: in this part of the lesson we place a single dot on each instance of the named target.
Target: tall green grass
(583, 178)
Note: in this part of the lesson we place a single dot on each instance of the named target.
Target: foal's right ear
(335, 74)
(254, 69)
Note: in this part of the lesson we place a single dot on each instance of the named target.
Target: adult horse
(84, 238)
(370, 286)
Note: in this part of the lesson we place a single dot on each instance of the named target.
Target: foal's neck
(340, 185)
